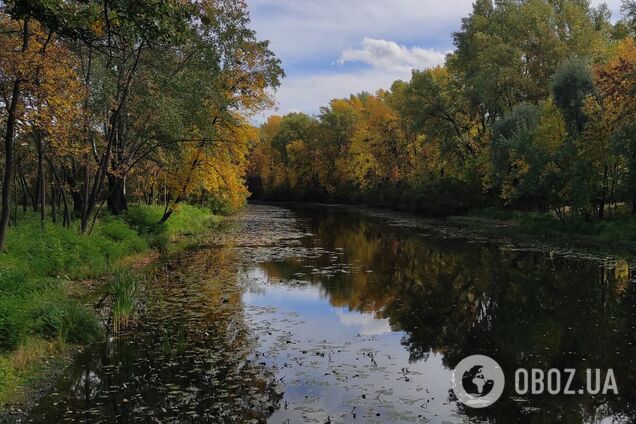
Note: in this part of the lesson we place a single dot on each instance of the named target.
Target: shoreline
(44, 366)
(475, 226)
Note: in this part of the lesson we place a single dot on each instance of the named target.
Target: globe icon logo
(478, 381)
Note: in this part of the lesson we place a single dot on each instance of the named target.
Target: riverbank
(323, 314)
(615, 235)
(53, 283)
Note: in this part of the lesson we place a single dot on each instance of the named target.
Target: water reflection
(187, 360)
(324, 316)
(448, 299)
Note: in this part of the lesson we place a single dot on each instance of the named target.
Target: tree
(608, 141)
(571, 85)
(14, 67)
(506, 52)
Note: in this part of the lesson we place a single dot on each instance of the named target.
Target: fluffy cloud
(385, 61)
(367, 324)
(391, 56)
(306, 93)
(314, 39)
(316, 30)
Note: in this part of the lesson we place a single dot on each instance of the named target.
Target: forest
(534, 110)
(107, 101)
(114, 115)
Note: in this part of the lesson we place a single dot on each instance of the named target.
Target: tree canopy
(533, 110)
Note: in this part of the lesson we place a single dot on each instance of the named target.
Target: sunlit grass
(185, 221)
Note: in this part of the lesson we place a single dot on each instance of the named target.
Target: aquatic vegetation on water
(325, 316)
(123, 290)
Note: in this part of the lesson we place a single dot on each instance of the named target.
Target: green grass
(37, 307)
(123, 290)
(619, 228)
(185, 221)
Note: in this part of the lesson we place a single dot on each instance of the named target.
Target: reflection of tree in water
(525, 309)
(187, 361)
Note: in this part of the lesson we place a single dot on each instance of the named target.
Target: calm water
(320, 315)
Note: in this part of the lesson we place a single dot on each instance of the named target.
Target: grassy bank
(41, 314)
(619, 228)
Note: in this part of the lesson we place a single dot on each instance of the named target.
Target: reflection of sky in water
(310, 301)
(332, 360)
(336, 365)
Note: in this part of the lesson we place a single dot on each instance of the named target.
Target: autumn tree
(15, 73)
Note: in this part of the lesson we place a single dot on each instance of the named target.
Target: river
(326, 315)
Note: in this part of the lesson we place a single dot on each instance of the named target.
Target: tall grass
(123, 290)
(36, 269)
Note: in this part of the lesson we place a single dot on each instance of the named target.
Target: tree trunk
(55, 176)
(117, 202)
(26, 194)
(16, 200)
(41, 181)
(54, 197)
(603, 199)
(8, 147)
(166, 215)
(84, 196)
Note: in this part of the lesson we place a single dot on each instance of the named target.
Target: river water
(324, 315)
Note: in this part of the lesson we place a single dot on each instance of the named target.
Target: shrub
(450, 196)
(67, 321)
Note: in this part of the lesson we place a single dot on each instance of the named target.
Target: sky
(334, 48)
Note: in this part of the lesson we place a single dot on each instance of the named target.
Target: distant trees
(534, 110)
(110, 99)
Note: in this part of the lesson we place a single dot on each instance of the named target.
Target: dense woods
(533, 110)
(106, 101)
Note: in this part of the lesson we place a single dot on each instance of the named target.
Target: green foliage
(65, 320)
(12, 325)
(40, 261)
(187, 220)
(571, 85)
(533, 111)
(123, 291)
(38, 264)
(440, 198)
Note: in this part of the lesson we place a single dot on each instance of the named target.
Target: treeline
(103, 101)
(534, 110)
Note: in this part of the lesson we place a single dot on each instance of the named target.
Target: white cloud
(391, 56)
(312, 36)
(308, 92)
(387, 62)
(307, 29)
(367, 324)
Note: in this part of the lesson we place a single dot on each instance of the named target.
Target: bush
(67, 321)
(447, 196)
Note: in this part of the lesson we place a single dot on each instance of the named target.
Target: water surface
(323, 315)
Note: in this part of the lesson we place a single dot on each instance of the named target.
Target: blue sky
(332, 48)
